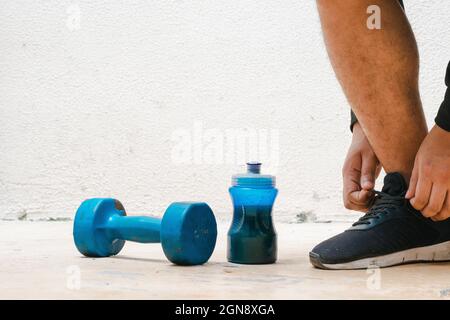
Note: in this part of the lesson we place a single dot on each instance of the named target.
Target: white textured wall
(98, 106)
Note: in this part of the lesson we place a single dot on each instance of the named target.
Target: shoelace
(381, 203)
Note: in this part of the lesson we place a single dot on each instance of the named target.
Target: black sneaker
(391, 233)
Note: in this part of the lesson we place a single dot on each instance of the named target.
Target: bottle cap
(253, 178)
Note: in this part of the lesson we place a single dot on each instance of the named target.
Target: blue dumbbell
(187, 231)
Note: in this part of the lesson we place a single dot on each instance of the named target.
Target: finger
(445, 211)
(351, 174)
(436, 201)
(360, 200)
(368, 171)
(422, 194)
(351, 179)
(351, 184)
(441, 216)
(412, 183)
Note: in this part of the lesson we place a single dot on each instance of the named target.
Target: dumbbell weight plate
(90, 239)
(188, 233)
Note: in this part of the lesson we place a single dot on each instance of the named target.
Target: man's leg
(378, 71)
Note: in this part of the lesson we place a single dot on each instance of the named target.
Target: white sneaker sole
(434, 253)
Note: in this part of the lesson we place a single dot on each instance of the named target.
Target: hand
(361, 168)
(429, 188)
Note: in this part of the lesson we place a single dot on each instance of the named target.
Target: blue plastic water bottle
(252, 238)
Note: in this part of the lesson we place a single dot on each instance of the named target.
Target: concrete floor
(39, 261)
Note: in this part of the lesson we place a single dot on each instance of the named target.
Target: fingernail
(367, 184)
(409, 195)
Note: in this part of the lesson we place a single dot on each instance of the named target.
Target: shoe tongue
(394, 184)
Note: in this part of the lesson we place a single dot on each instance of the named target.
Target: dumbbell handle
(134, 228)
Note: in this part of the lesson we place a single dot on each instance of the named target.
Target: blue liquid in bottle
(252, 238)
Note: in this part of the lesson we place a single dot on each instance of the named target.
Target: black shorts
(443, 117)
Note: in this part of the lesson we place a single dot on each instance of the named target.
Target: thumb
(361, 197)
